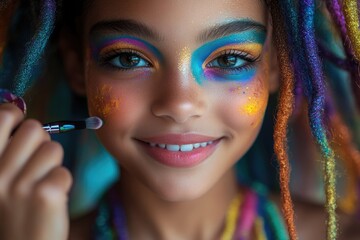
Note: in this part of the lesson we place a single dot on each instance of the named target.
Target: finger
(50, 206)
(58, 179)
(10, 117)
(24, 143)
(48, 156)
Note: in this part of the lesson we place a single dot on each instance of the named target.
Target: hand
(33, 184)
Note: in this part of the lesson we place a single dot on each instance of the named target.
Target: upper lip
(178, 139)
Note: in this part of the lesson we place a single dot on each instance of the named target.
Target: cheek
(246, 102)
(119, 102)
(104, 101)
(255, 102)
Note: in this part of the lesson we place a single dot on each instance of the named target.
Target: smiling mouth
(180, 156)
(182, 148)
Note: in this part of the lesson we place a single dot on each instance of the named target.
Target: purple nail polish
(7, 97)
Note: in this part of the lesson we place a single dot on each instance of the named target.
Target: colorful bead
(231, 218)
(247, 216)
(259, 229)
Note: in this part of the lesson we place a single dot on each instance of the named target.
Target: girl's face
(181, 85)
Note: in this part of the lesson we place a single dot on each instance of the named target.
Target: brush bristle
(93, 123)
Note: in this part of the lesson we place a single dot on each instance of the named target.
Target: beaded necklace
(249, 215)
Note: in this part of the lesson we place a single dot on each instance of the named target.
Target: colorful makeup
(103, 102)
(230, 58)
(106, 46)
(257, 100)
(184, 56)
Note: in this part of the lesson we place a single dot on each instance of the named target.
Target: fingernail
(7, 97)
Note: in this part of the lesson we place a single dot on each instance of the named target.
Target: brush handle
(64, 126)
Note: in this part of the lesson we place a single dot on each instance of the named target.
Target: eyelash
(105, 59)
(251, 60)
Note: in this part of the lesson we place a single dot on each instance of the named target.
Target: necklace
(249, 215)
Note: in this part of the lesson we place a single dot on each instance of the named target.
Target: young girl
(182, 88)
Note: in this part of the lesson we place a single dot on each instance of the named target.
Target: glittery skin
(352, 24)
(36, 47)
(103, 104)
(184, 63)
(104, 43)
(257, 101)
(316, 111)
(253, 105)
(248, 39)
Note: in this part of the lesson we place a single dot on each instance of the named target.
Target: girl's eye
(125, 60)
(231, 60)
(227, 61)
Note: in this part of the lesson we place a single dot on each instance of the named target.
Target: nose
(179, 98)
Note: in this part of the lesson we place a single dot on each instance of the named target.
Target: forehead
(175, 17)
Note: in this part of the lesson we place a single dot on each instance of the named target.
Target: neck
(201, 218)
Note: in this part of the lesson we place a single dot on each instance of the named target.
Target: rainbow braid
(335, 10)
(291, 24)
(352, 25)
(286, 102)
(298, 57)
(342, 137)
(342, 142)
(338, 78)
(36, 46)
(316, 111)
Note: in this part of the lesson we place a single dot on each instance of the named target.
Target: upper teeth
(182, 148)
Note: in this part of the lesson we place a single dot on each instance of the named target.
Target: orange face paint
(103, 103)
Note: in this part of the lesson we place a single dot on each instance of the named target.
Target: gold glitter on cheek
(184, 62)
(104, 103)
(252, 106)
(256, 103)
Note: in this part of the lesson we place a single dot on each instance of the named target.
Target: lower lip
(180, 159)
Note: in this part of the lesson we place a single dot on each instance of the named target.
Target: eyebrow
(126, 26)
(136, 28)
(236, 26)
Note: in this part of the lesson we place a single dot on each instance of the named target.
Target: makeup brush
(66, 126)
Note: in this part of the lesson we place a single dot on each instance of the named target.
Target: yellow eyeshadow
(115, 46)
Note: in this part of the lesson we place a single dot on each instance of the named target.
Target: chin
(180, 191)
(180, 196)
